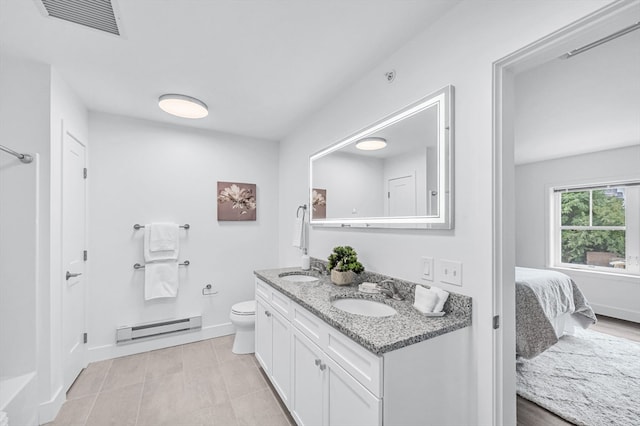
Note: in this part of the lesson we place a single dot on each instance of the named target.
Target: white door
(73, 246)
(307, 382)
(349, 403)
(402, 196)
(263, 335)
(281, 356)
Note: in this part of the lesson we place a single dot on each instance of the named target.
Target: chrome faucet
(320, 267)
(391, 292)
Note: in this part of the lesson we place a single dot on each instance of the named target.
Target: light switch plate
(450, 272)
(427, 268)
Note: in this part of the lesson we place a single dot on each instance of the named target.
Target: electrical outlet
(450, 272)
(427, 268)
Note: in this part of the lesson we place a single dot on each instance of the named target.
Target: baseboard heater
(157, 329)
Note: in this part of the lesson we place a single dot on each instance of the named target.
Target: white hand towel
(160, 280)
(442, 297)
(152, 256)
(298, 229)
(425, 300)
(163, 237)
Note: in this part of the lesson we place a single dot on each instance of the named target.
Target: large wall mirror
(396, 173)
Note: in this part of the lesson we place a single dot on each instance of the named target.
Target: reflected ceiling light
(371, 144)
(183, 106)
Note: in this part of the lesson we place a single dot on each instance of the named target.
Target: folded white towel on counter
(160, 280)
(442, 298)
(152, 256)
(298, 229)
(425, 300)
(163, 237)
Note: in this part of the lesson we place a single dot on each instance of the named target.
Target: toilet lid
(244, 308)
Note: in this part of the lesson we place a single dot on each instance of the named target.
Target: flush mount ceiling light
(183, 106)
(371, 144)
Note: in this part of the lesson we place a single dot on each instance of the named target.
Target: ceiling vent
(96, 14)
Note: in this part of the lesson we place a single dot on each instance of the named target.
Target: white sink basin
(364, 307)
(298, 278)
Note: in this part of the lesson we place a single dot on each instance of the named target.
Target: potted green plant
(343, 264)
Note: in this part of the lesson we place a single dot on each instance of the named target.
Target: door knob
(71, 275)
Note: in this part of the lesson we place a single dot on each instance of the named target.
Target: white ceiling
(261, 66)
(588, 103)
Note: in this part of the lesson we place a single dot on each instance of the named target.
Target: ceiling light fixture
(371, 144)
(183, 106)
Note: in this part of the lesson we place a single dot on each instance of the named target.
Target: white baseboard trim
(612, 311)
(100, 353)
(47, 411)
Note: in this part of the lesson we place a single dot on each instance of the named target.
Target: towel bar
(139, 266)
(138, 226)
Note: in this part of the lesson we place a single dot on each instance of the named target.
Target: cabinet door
(307, 381)
(263, 350)
(349, 403)
(281, 356)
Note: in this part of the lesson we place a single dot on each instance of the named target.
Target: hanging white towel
(160, 280)
(163, 237)
(298, 229)
(152, 256)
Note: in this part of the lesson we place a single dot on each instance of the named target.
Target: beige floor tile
(90, 380)
(209, 381)
(126, 371)
(222, 346)
(241, 377)
(258, 409)
(199, 354)
(118, 407)
(74, 411)
(165, 397)
(164, 362)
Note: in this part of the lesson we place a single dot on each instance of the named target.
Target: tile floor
(197, 384)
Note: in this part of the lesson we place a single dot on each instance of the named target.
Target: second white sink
(365, 307)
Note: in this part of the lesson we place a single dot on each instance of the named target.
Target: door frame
(503, 194)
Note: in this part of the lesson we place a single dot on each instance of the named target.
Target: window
(597, 227)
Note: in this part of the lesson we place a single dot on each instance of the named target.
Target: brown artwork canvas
(236, 201)
(319, 203)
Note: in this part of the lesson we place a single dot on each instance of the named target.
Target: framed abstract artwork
(236, 201)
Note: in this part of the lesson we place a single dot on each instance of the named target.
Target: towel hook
(304, 209)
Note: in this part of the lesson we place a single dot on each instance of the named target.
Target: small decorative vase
(342, 278)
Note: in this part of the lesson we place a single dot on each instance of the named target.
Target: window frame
(631, 227)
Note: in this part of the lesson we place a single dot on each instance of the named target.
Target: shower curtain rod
(25, 158)
(603, 40)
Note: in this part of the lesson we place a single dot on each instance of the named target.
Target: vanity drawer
(363, 365)
(263, 289)
(310, 325)
(281, 303)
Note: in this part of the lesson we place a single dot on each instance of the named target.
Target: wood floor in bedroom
(530, 414)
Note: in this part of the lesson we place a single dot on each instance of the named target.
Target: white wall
(608, 294)
(142, 172)
(354, 184)
(459, 50)
(24, 226)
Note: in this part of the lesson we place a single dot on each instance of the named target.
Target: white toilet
(243, 317)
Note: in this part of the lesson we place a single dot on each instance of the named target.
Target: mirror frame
(443, 98)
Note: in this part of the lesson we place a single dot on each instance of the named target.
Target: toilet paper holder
(206, 290)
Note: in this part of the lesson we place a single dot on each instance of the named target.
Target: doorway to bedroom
(564, 121)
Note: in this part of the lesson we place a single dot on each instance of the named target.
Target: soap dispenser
(306, 261)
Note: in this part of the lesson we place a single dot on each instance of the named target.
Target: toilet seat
(244, 308)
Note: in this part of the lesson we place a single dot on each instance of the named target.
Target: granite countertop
(377, 334)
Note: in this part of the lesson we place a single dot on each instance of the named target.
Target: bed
(548, 305)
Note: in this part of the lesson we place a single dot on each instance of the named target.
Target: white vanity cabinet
(323, 393)
(273, 340)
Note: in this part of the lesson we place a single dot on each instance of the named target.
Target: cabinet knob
(323, 367)
(267, 313)
(318, 362)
